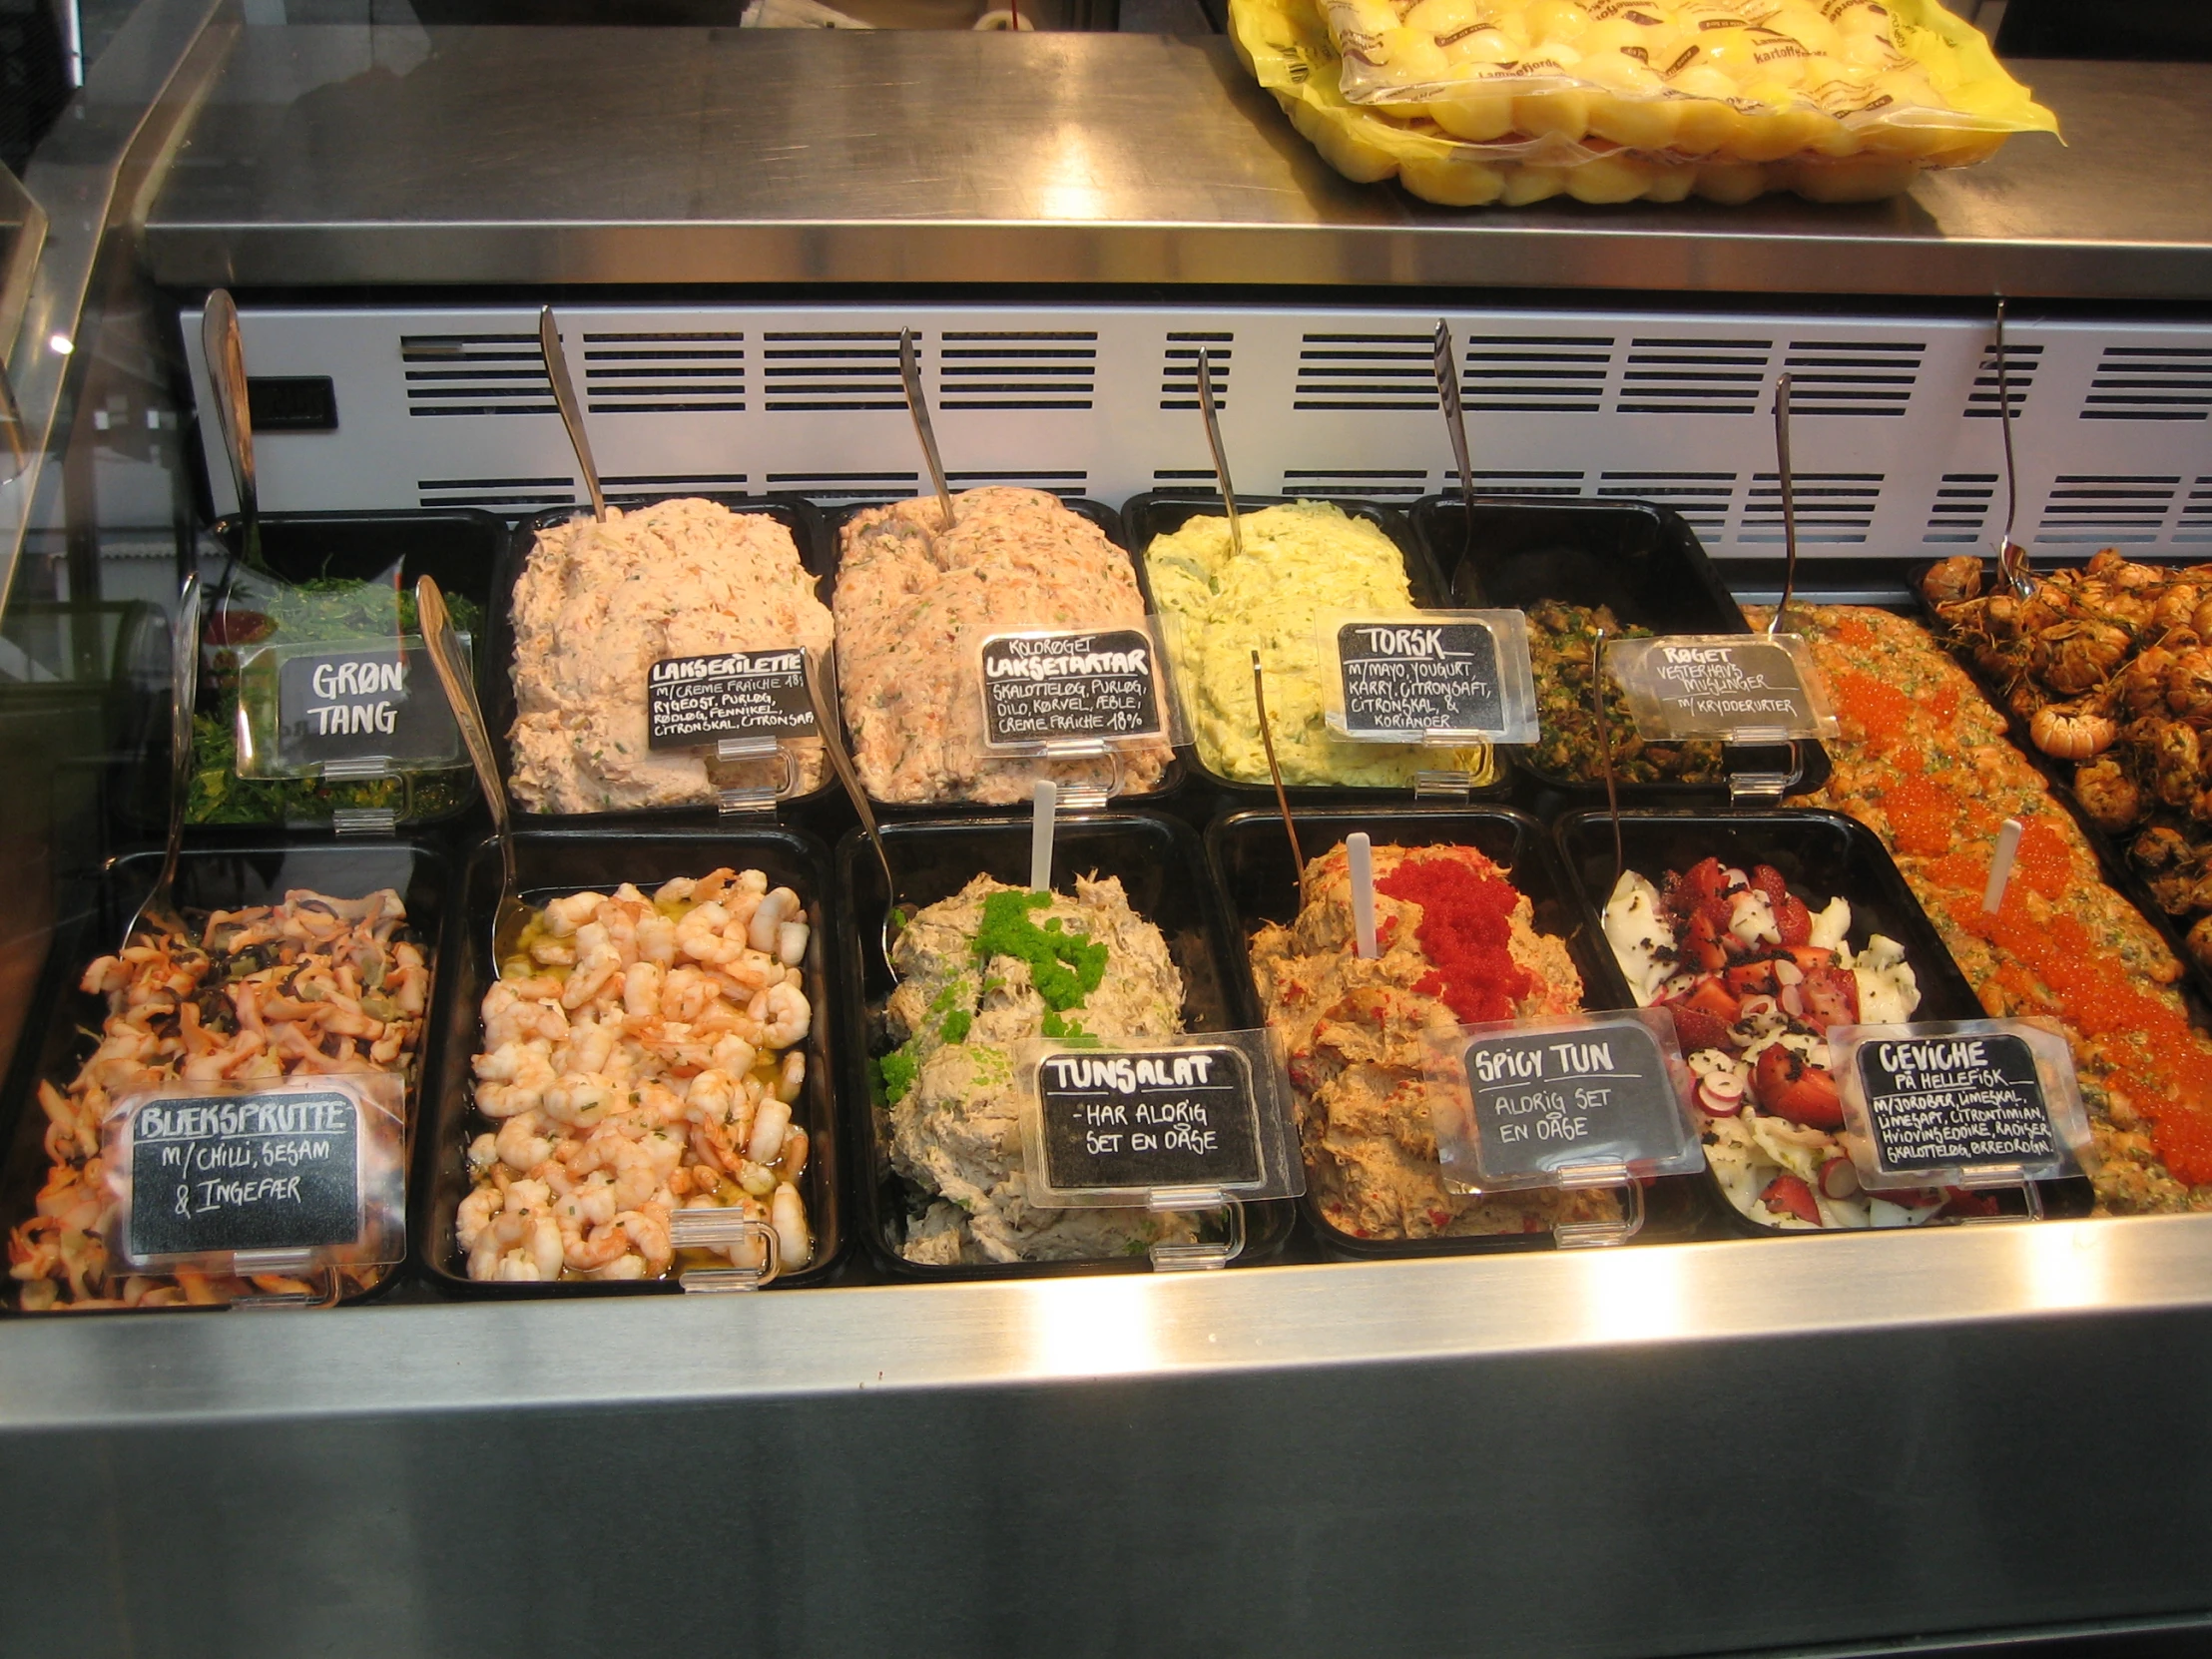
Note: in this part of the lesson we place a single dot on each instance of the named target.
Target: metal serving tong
(572, 411)
(2011, 556)
(512, 915)
(159, 911)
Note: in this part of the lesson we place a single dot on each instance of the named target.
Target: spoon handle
(223, 348)
(917, 403)
(1221, 455)
(183, 689)
(461, 696)
(572, 412)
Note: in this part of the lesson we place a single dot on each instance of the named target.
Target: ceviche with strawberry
(1754, 976)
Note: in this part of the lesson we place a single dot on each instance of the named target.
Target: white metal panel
(1896, 442)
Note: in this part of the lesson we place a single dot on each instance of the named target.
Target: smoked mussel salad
(641, 1053)
(1561, 638)
(316, 985)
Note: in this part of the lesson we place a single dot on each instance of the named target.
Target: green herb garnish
(1064, 967)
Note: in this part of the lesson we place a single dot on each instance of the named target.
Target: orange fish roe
(1466, 922)
(1927, 758)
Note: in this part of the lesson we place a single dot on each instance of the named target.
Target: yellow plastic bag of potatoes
(1742, 80)
(1560, 139)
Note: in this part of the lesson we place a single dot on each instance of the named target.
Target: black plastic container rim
(495, 665)
(1267, 1222)
(1592, 962)
(431, 1255)
(1422, 579)
(1809, 762)
(1109, 523)
(1930, 959)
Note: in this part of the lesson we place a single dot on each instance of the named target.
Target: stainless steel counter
(1640, 1452)
(468, 155)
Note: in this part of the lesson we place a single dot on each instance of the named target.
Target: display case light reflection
(1093, 1326)
(1067, 175)
(1631, 1295)
(2063, 1264)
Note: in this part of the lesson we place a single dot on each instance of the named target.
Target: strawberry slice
(1766, 880)
(1790, 1088)
(1788, 1195)
(1793, 919)
(1965, 1202)
(1811, 956)
(1711, 997)
(1698, 888)
(1753, 979)
(1831, 998)
(1703, 939)
(1694, 1028)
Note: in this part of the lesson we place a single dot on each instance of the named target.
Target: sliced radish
(1788, 972)
(1838, 1179)
(1721, 1097)
(1793, 1000)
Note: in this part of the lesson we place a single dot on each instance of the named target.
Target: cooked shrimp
(789, 1016)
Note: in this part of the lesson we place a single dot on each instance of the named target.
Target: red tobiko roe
(1465, 922)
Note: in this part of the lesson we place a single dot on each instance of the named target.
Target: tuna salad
(1457, 946)
(980, 973)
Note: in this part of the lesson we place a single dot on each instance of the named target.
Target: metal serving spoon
(225, 350)
(159, 911)
(2011, 556)
(512, 915)
(572, 412)
(833, 744)
(1789, 501)
(918, 405)
(1221, 455)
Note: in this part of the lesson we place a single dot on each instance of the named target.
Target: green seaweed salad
(261, 612)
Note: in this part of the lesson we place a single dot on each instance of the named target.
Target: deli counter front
(903, 838)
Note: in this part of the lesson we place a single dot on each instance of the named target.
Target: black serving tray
(495, 667)
(455, 546)
(554, 862)
(1638, 558)
(1821, 855)
(1160, 865)
(1160, 512)
(62, 1023)
(1251, 861)
(1172, 779)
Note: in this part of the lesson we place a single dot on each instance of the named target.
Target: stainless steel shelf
(330, 155)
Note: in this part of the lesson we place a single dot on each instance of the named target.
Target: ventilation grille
(2151, 382)
(1702, 498)
(843, 486)
(1397, 484)
(663, 373)
(854, 370)
(1962, 509)
(1186, 480)
(1694, 377)
(1831, 507)
(1561, 372)
(475, 374)
(1853, 378)
(2196, 514)
(520, 496)
(1518, 483)
(1052, 483)
(1012, 370)
(1179, 370)
(1366, 371)
(635, 489)
(2021, 364)
(2096, 509)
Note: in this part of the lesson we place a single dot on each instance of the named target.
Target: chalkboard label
(1551, 1097)
(244, 1172)
(1043, 688)
(1137, 1119)
(1750, 687)
(357, 703)
(694, 701)
(1404, 677)
(1955, 1102)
